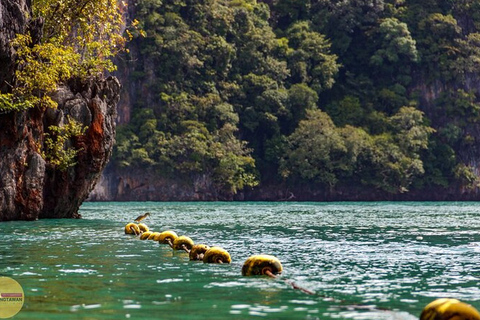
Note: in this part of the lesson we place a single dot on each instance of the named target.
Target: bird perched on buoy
(449, 309)
(142, 217)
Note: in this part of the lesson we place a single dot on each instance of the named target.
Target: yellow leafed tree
(79, 39)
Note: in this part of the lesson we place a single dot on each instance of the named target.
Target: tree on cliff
(73, 39)
(57, 111)
(321, 153)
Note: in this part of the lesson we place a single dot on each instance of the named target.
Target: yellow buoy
(143, 227)
(167, 237)
(145, 235)
(157, 236)
(216, 255)
(153, 235)
(198, 251)
(268, 265)
(443, 309)
(132, 228)
(263, 264)
(183, 243)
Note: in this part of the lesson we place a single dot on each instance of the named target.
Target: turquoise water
(362, 260)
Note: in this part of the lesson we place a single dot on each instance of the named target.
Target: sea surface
(373, 260)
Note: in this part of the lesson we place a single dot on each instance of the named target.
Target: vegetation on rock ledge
(76, 39)
(56, 151)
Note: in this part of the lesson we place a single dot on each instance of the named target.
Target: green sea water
(363, 261)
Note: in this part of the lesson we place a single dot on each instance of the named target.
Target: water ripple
(363, 260)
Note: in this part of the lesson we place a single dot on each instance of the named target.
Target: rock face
(31, 188)
(145, 185)
(13, 20)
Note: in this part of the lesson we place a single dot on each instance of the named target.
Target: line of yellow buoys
(196, 251)
(267, 265)
(255, 265)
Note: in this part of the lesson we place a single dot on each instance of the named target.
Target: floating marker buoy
(167, 237)
(217, 255)
(145, 235)
(183, 243)
(198, 251)
(157, 236)
(444, 309)
(143, 227)
(262, 265)
(153, 235)
(132, 228)
(267, 265)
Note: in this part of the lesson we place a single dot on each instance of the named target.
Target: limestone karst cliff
(30, 187)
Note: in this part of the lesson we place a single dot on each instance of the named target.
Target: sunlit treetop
(78, 39)
(92, 28)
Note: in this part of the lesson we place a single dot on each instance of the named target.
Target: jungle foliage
(71, 39)
(374, 93)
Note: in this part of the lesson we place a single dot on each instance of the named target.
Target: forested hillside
(320, 98)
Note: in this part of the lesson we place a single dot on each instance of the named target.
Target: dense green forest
(379, 94)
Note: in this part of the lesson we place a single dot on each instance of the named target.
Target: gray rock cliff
(30, 187)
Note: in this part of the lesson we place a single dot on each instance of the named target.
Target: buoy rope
(289, 282)
(184, 247)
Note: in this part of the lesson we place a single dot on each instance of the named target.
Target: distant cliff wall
(137, 185)
(144, 185)
(30, 187)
